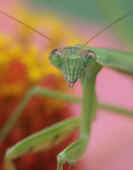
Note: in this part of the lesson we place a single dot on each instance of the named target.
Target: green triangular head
(72, 61)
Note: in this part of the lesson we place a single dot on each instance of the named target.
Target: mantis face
(72, 61)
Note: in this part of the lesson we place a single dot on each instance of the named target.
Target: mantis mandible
(75, 62)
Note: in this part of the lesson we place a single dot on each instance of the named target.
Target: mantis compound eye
(91, 54)
(56, 52)
(56, 58)
(88, 54)
(89, 57)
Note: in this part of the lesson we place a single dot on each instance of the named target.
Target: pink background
(111, 143)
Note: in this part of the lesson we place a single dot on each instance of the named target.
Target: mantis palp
(75, 62)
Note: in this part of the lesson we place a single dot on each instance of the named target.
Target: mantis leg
(116, 109)
(34, 91)
(53, 94)
(76, 150)
(42, 140)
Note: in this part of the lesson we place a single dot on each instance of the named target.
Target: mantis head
(72, 61)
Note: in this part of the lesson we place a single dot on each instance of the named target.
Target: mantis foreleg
(34, 91)
(76, 150)
(42, 140)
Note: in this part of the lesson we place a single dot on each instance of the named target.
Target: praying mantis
(75, 62)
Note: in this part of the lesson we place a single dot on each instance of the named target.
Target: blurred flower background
(24, 63)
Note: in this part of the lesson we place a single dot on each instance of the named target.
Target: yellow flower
(25, 49)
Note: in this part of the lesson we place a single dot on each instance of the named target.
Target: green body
(76, 62)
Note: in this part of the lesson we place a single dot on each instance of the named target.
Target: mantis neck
(89, 101)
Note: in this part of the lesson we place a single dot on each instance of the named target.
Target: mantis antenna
(26, 25)
(117, 20)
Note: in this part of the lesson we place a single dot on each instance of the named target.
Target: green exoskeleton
(75, 62)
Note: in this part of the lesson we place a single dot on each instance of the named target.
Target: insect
(75, 62)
